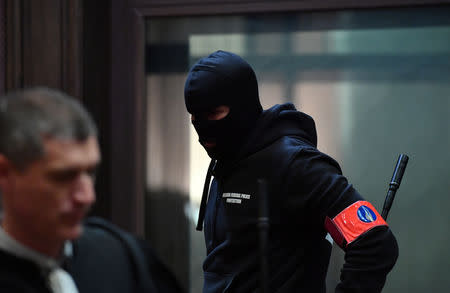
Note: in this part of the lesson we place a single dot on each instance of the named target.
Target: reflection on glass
(377, 84)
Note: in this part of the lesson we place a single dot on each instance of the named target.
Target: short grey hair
(27, 116)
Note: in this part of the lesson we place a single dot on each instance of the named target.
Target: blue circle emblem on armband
(366, 215)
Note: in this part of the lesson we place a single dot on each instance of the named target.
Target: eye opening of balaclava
(223, 78)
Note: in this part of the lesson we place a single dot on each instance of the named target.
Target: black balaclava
(223, 78)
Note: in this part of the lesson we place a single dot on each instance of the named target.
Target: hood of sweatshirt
(274, 123)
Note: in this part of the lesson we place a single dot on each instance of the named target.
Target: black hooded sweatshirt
(304, 186)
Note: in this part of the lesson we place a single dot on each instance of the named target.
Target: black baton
(394, 184)
(263, 227)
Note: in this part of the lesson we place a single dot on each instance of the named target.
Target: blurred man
(48, 157)
(308, 197)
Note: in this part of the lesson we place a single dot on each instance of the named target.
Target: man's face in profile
(51, 196)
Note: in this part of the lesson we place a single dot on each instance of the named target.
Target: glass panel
(377, 83)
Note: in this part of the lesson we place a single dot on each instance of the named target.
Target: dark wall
(95, 79)
(62, 44)
(43, 40)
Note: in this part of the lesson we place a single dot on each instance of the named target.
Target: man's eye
(92, 173)
(70, 175)
(213, 114)
(64, 176)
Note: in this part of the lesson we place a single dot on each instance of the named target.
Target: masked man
(308, 197)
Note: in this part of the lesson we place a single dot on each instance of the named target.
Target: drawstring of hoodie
(201, 214)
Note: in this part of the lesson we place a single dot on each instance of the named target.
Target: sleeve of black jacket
(316, 185)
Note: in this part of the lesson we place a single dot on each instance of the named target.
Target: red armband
(352, 222)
